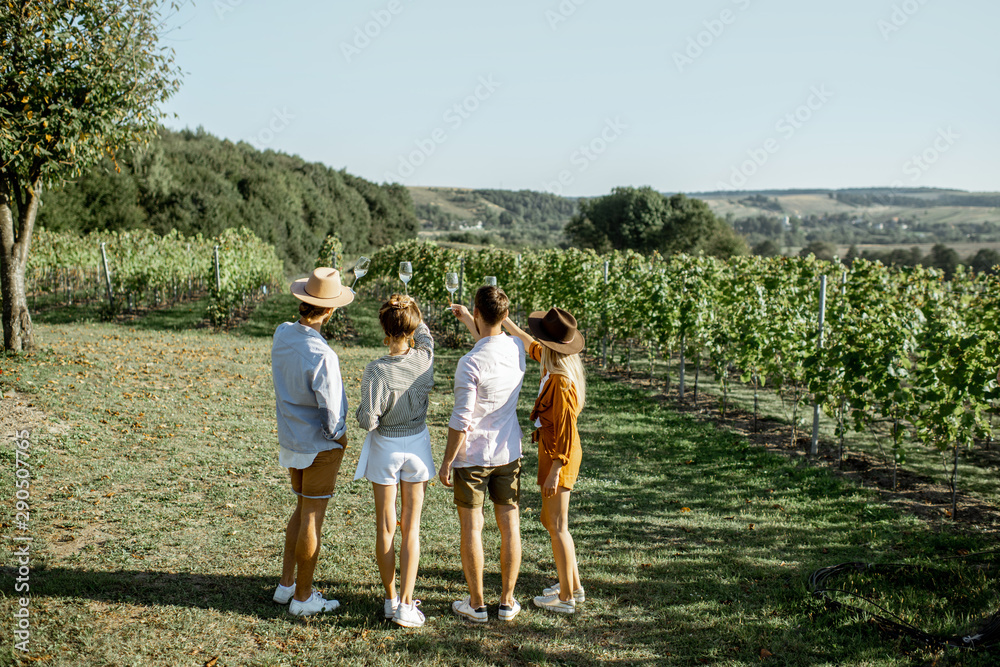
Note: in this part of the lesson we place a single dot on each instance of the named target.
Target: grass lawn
(978, 467)
(157, 510)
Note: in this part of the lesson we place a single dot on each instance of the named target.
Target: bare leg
(555, 511)
(409, 548)
(385, 532)
(307, 547)
(509, 523)
(291, 539)
(471, 520)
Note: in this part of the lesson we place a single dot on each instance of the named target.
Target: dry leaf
(685, 509)
(764, 653)
(211, 663)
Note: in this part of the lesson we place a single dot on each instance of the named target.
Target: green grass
(977, 472)
(158, 505)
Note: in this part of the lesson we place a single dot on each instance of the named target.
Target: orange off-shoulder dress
(556, 409)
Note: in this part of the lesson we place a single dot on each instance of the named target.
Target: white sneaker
(508, 612)
(553, 603)
(316, 604)
(408, 616)
(283, 594)
(390, 607)
(465, 610)
(578, 594)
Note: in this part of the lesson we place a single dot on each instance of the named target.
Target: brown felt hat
(322, 289)
(556, 330)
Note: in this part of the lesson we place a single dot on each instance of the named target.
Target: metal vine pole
(218, 275)
(604, 341)
(814, 445)
(107, 276)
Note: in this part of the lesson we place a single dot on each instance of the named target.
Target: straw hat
(322, 289)
(556, 330)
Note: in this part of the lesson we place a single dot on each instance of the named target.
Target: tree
(766, 248)
(644, 220)
(984, 261)
(943, 258)
(79, 81)
(821, 249)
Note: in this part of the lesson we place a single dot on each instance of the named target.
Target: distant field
(804, 205)
(963, 249)
(441, 197)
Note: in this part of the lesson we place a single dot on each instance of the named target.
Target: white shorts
(388, 461)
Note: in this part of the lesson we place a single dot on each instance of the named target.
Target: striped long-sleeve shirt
(394, 389)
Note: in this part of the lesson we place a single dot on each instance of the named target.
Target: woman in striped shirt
(397, 450)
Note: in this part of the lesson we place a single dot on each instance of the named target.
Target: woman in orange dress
(556, 345)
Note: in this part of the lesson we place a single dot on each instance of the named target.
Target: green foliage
(821, 250)
(642, 219)
(196, 183)
(142, 264)
(78, 82)
(248, 269)
(331, 254)
(905, 348)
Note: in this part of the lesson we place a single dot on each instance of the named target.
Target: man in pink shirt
(484, 449)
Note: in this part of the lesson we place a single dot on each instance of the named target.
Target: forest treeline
(196, 183)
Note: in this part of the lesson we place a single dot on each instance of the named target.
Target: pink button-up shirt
(487, 386)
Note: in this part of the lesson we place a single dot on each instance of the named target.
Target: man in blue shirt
(311, 407)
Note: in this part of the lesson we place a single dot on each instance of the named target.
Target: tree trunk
(14, 246)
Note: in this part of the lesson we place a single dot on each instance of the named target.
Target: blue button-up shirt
(311, 403)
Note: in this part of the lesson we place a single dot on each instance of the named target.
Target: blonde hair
(569, 365)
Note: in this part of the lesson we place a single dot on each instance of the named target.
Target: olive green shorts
(502, 482)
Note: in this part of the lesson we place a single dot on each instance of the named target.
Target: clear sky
(579, 96)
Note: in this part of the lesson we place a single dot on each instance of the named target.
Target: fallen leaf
(750, 527)
(685, 509)
(211, 663)
(764, 653)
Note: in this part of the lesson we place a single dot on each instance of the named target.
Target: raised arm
(518, 332)
(465, 317)
(423, 338)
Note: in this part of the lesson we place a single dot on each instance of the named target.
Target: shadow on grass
(184, 315)
(692, 544)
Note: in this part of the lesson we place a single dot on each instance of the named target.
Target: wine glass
(451, 284)
(490, 281)
(405, 273)
(360, 269)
